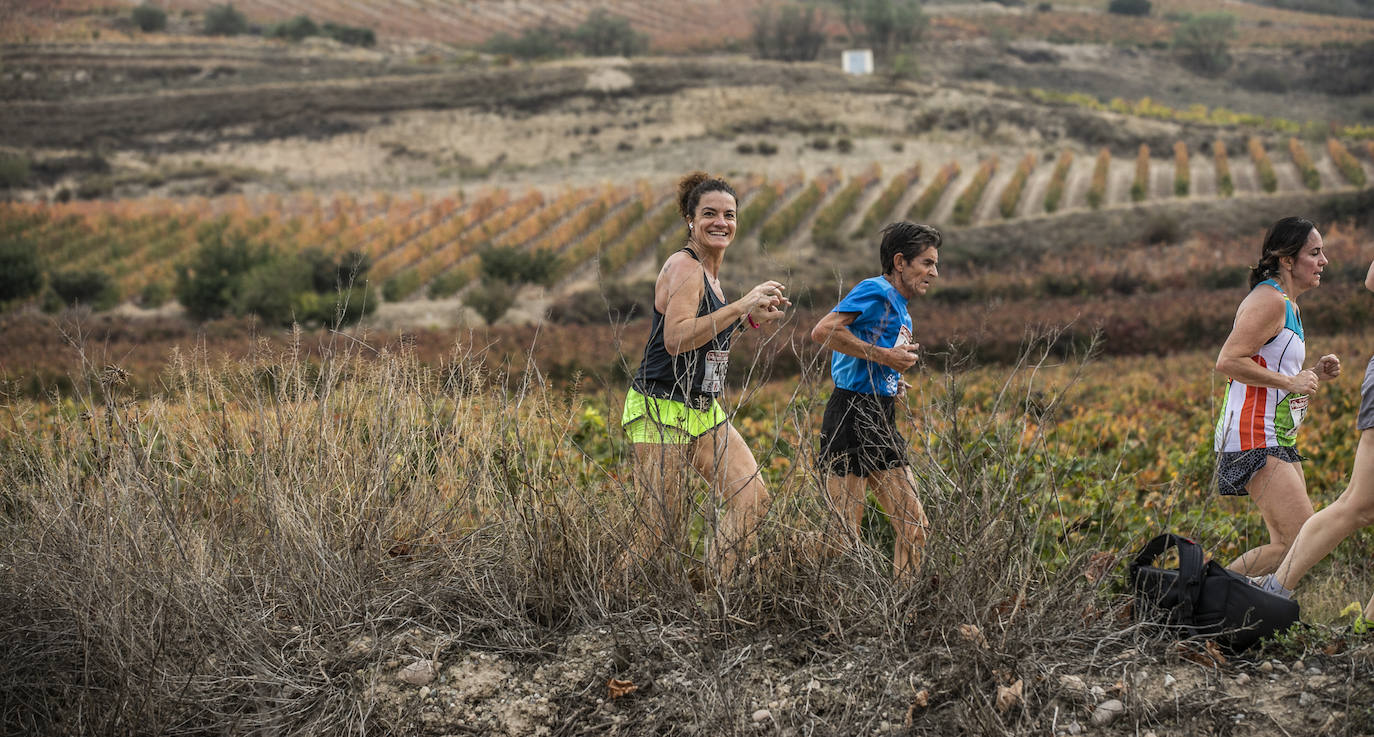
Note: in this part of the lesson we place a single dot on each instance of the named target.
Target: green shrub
(296, 29)
(149, 18)
(351, 35)
(211, 283)
(887, 25)
(269, 290)
(512, 264)
(14, 171)
(537, 42)
(224, 20)
(902, 67)
(329, 274)
(88, 287)
(604, 33)
(448, 283)
(309, 286)
(491, 300)
(154, 294)
(334, 309)
(1129, 7)
(1202, 42)
(767, 148)
(20, 274)
(794, 34)
(401, 285)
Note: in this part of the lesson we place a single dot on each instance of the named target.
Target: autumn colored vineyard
(430, 243)
(677, 27)
(672, 27)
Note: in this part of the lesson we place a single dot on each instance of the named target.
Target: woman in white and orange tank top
(1266, 397)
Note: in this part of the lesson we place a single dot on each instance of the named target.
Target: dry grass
(250, 550)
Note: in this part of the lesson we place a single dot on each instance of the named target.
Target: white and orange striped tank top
(1262, 417)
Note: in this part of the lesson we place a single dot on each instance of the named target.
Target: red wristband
(750, 317)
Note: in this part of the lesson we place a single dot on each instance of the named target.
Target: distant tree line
(226, 20)
(603, 33)
(796, 32)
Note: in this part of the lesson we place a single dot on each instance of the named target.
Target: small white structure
(857, 61)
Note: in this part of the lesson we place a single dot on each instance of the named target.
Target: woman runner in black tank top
(671, 413)
(697, 376)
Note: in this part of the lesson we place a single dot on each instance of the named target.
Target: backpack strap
(1189, 583)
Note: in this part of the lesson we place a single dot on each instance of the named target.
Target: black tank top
(693, 377)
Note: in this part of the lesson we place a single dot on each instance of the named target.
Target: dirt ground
(594, 680)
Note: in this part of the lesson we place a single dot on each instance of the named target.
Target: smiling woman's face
(713, 224)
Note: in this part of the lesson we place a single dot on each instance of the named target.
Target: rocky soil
(609, 680)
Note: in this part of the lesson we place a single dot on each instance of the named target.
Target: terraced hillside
(425, 155)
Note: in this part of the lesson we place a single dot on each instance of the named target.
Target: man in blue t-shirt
(870, 334)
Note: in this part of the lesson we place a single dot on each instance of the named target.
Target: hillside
(244, 519)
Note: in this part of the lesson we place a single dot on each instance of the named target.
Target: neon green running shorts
(666, 421)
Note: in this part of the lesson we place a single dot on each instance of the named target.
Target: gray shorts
(1235, 468)
(1365, 420)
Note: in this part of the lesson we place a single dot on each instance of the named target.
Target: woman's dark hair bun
(691, 187)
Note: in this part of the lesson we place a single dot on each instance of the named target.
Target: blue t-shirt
(882, 321)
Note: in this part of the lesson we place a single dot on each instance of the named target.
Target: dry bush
(234, 555)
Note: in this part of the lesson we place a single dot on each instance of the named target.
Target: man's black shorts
(859, 434)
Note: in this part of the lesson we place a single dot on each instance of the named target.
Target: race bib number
(713, 378)
(1297, 407)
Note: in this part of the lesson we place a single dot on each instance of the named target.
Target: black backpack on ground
(1205, 600)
